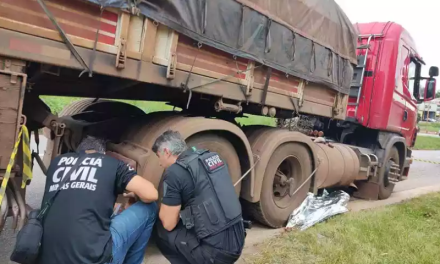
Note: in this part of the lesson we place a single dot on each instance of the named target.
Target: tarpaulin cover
(310, 39)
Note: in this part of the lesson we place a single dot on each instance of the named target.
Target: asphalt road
(422, 174)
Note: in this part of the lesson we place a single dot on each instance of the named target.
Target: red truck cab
(389, 80)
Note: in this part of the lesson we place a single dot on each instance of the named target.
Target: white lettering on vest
(214, 162)
(55, 177)
(92, 176)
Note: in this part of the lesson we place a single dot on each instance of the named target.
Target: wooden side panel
(209, 61)
(205, 60)
(279, 83)
(148, 46)
(80, 20)
(344, 105)
(213, 63)
(135, 33)
(163, 45)
(320, 94)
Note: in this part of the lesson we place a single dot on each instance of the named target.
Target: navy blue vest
(215, 206)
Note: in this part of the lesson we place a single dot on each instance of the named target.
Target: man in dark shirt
(79, 227)
(179, 244)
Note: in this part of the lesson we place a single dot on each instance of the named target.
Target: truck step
(354, 92)
(361, 61)
(362, 47)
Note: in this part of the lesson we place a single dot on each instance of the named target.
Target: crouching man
(79, 227)
(200, 213)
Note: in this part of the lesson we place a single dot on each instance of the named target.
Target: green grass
(430, 127)
(256, 120)
(57, 103)
(427, 143)
(407, 233)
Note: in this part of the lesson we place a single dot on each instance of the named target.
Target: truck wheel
(107, 109)
(111, 108)
(77, 107)
(224, 148)
(288, 161)
(385, 186)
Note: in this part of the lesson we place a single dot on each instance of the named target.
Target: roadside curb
(397, 197)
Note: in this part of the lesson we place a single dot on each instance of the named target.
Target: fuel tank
(338, 165)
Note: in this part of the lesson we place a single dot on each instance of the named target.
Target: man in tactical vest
(200, 214)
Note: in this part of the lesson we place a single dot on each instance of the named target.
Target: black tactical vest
(215, 205)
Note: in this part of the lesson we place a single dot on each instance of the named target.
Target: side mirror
(433, 71)
(430, 88)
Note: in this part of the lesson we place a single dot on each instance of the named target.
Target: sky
(420, 18)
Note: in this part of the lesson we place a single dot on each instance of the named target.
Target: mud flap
(12, 88)
(367, 191)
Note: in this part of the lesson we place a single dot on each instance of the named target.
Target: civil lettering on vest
(82, 178)
(213, 162)
(217, 203)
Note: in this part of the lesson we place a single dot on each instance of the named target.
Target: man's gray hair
(172, 140)
(92, 143)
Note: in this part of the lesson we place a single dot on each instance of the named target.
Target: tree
(437, 95)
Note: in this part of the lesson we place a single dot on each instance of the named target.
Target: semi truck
(344, 95)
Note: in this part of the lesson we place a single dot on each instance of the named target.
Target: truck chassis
(279, 161)
(280, 166)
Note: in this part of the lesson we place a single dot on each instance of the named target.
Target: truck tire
(73, 108)
(224, 148)
(104, 109)
(78, 107)
(273, 209)
(113, 108)
(385, 187)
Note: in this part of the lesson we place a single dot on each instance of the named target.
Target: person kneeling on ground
(200, 213)
(79, 227)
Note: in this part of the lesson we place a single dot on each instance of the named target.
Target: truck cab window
(414, 69)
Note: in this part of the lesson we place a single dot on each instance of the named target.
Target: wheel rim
(386, 180)
(392, 170)
(286, 180)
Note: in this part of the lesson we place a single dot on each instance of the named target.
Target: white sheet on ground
(316, 209)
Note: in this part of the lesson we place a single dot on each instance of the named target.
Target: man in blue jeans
(79, 227)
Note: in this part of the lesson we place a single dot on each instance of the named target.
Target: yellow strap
(27, 158)
(9, 168)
